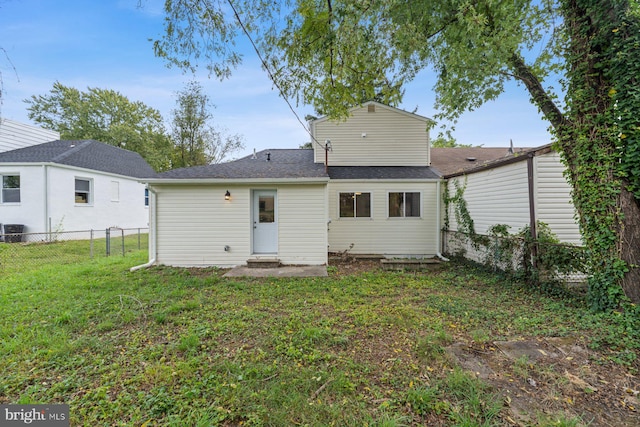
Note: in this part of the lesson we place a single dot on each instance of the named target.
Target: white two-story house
(366, 186)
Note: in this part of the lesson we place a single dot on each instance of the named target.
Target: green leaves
(106, 116)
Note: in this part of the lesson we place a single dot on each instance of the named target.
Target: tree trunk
(630, 244)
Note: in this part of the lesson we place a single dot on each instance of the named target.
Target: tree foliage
(333, 54)
(106, 116)
(196, 141)
(443, 142)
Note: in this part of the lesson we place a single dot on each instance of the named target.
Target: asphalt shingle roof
(382, 172)
(88, 154)
(457, 159)
(276, 163)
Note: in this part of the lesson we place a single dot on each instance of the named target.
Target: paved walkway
(283, 271)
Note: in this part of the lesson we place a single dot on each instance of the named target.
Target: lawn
(187, 347)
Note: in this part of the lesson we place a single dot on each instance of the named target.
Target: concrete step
(263, 263)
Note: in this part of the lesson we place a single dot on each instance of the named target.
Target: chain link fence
(541, 262)
(23, 251)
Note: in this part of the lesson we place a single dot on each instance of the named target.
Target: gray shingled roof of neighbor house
(450, 160)
(276, 163)
(87, 154)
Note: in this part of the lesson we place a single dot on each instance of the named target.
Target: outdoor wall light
(227, 195)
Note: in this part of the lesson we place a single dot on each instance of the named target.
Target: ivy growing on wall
(462, 214)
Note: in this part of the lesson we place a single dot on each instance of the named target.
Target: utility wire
(271, 76)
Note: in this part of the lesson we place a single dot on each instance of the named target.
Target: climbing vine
(461, 212)
(601, 147)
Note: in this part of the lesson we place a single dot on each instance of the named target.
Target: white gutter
(438, 219)
(152, 233)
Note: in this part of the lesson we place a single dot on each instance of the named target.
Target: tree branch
(540, 96)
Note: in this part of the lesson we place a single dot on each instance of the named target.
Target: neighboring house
(14, 135)
(375, 195)
(73, 185)
(518, 190)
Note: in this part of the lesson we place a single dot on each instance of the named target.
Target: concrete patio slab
(282, 271)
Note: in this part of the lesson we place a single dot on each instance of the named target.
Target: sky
(105, 44)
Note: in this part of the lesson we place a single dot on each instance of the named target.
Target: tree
(334, 53)
(195, 140)
(442, 142)
(106, 116)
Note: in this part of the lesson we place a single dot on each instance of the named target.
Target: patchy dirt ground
(541, 375)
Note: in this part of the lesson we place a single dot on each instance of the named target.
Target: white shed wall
(494, 196)
(501, 196)
(553, 198)
(195, 223)
(381, 234)
(393, 138)
(14, 135)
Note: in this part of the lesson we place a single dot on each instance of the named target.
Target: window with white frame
(146, 197)
(10, 189)
(83, 191)
(404, 204)
(355, 205)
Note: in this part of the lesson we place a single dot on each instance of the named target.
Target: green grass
(168, 346)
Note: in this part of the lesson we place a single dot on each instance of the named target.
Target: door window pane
(266, 212)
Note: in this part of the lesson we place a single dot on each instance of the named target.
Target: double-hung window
(404, 204)
(355, 205)
(10, 189)
(83, 191)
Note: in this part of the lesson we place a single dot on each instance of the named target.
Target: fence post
(122, 232)
(91, 243)
(107, 233)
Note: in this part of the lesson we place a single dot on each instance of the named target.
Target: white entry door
(265, 222)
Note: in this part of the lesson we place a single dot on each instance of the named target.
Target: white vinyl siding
(14, 135)
(379, 234)
(195, 223)
(302, 226)
(386, 137)
(501, 196)
(495, 196)
(553, 198)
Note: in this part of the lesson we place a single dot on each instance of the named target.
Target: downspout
(153, 235)
(532, 209)
(438, 219)
(45, 170)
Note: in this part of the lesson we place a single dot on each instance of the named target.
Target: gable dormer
(374, 134)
